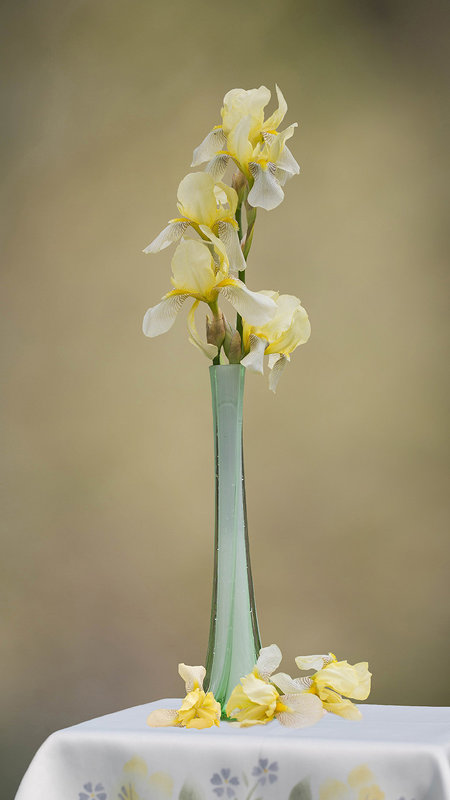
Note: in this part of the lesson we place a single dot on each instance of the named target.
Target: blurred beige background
(108, 477)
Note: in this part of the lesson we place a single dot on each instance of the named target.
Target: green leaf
(301, 791)
(190, 792)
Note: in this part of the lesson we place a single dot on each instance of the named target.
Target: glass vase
(234, 641)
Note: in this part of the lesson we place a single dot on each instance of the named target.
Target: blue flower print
(265, 771)
(224, 785)
(92, 792)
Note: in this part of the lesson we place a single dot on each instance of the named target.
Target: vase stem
(234, 641)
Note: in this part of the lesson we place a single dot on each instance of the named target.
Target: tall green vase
(234, 641)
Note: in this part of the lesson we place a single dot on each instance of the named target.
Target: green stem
(251, 791)
(251, 219)
(242, 273)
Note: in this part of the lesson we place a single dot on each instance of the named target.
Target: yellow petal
(277, 117)
(240, 103)
(362, 690)
(197, 200)
(340, 676)
(296, 334)
(336, 704)
(193, 270)
(238, 142)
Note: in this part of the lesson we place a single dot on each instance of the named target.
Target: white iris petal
(160, 318)
(266, 192)
(254, 360)
(170, 234)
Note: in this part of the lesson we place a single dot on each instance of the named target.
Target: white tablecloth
(394, 753)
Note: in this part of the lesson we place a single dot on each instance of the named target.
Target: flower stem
(242, 272)
(251, 219)
(246, 244)
(252, 790)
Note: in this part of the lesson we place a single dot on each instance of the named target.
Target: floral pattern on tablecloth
(138, 783)
(93, 791)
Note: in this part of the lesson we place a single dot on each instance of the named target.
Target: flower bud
(239, 182)
(215, 330)
(235, 349)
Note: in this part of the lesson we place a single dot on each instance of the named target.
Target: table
(394, 753)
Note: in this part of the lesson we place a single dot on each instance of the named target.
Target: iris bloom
(277, 338)
(208, 206)
(197, 274)
(254, 144)
(256, 701)
(198, 710)
(333, 682)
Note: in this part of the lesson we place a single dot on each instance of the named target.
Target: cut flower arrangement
(247, 164)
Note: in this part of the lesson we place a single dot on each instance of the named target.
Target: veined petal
(196, 197)
(313, 662)
(238, 141)
(288, 685)
(161, 317)
(254, 307)
(276, 369)
(269, 660)
(228, 234)
(209, 350)
(211, 144)
(266, 192)
(254, 360)
(170, 234)
(192, 676)
(217, 166)
(304, 710)
(278, 116)
(162, 717)
(192, 268)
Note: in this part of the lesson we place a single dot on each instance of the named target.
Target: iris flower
(256, 701)
(253, 143)
(333, 682)
(277, 338)
(208, 206)
(197, 274)
(198, 710)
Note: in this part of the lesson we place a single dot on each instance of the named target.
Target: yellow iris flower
(196, 273)
(278, 338)
(199, 708)
(256, 701)
(333, 683)
(253, 143)
(208, 206)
